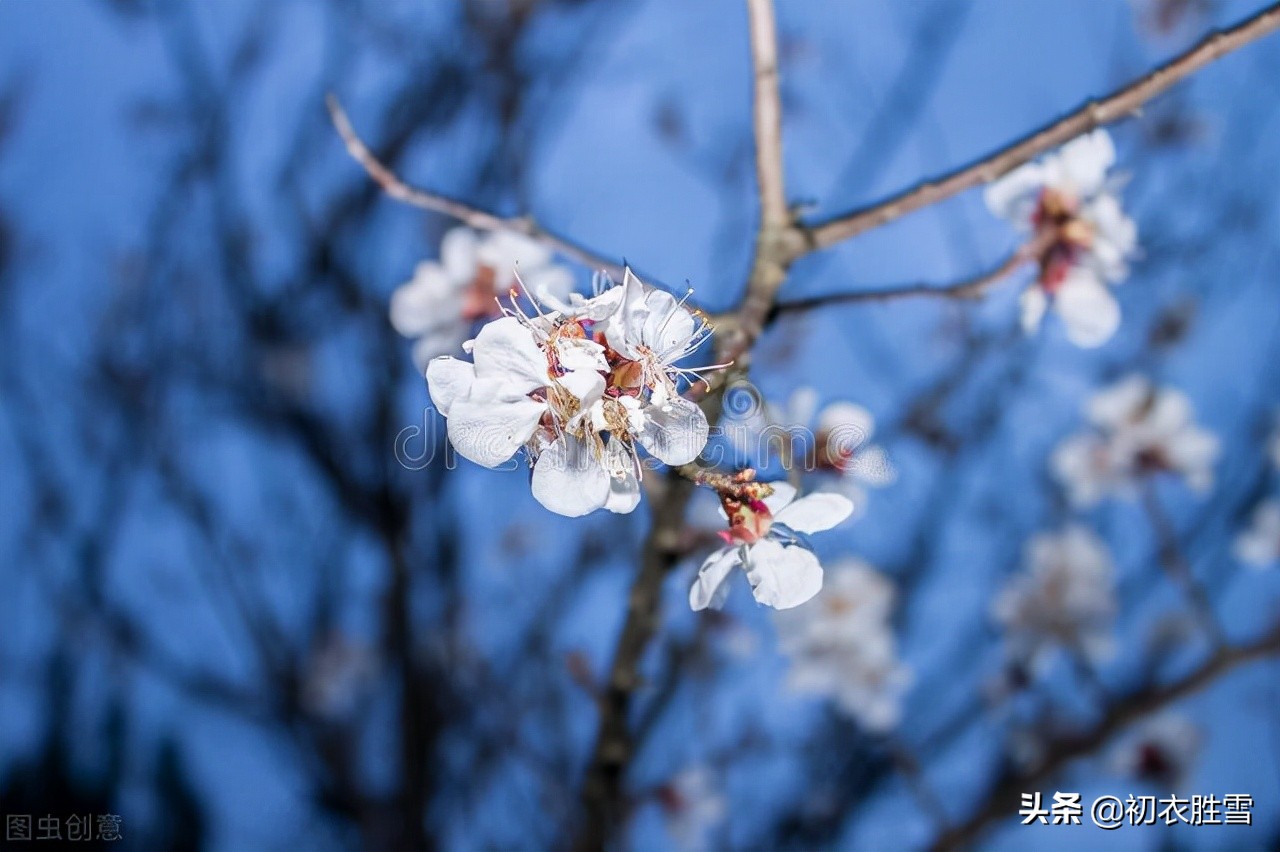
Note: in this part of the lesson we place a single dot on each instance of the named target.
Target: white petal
(624, 483)
(1083, 162)
(801, 406)
(674, 433)
(449, 379)
(424, 303)
(505, 349)
(816, 512)
(1033, 303)
(669, 327)
(586, 385)
(708, 589)
(435, 344)
(872, 466)
(489, 426)
(848, 416)
(568, 479)
(550, 283)
(458, 254)
(783, 493)
(1013, 197)
(1089, 311)
(782, 577)
(1120, 402)
(1115, 237)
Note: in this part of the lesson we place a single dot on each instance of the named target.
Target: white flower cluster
(844, 648)
(1063, 599)
(694, 805)
(581, 388)
(1082, 238)
(766, 525)
(1160, 750)
(439, 306)
(1139, 430)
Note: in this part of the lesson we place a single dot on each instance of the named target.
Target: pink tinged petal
(1083, 162)
(782, 577)
(816, 512)
(491, 424)
(1089, 311)
(1033, 304)
(675, 432)
(505, 349)
(568, 479)
(709, 589)
(448, 380)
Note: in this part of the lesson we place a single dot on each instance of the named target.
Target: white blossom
(446, 297)
(1273, 445)
(1064, 598)
(580, 390)
(1138, 430)
(764, 539)
(1083, 239)
(843, 647)
(694, 806)
(1161, 749)
(1259, 545)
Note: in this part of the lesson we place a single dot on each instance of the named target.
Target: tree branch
(473, 217)
(1004, 799)
(970, 288)
(767, 115)
(1089, 116)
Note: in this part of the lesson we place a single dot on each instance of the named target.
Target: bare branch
(970, 288)
(1004, 799)
(473, 217)
(767, 115)
(1093, 114)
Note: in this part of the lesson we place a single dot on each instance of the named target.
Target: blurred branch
(1174, 563)
(468, 215)
(1004, 799)
(1091, 115)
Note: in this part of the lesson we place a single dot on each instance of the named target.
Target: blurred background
(232, 617)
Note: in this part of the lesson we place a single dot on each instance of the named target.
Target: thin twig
(1004, 799)
(473, 217)
(1091, 115)
(767, 115)
(970, 288)
(1174, 563)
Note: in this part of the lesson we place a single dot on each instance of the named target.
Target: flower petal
(424, 303)
(783, 493)
(1013, 197)
(458, 253)
(816, 512)
(505, 349)
(449, 379)
(1033, 303)
(1083, 162)
(675, 432)
(709, 589)
(492, 423)
(568, 479)
(1089, 311)
(782, 577)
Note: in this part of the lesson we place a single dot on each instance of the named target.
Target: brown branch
(473, 217)
(970, 288)
(767, 115)
(1091, 115)
(1005, 798)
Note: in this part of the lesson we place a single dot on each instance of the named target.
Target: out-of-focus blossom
(765, 538)
(843, 647)
(1138, 431)
(1259, 545)
(443, 301)
(580, 391)
(1273, 445)
(1160, 750)
(1082, 238)
(337, 675)
(694, 806)
(1063, 598)
(837, 437)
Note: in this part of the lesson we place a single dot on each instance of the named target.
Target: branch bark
(1091, 115)
(473, 217)
(1005, 798)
